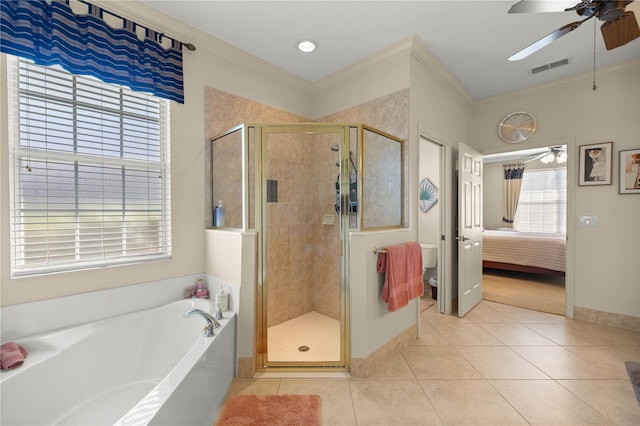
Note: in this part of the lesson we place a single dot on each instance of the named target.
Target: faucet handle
(208, 330)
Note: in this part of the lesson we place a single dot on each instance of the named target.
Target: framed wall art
(596, 163)
(629, 171)
(428, 195)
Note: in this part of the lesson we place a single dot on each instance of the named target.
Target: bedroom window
(543, 200)
(89, 172)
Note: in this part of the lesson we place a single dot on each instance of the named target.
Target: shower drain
(303, 348)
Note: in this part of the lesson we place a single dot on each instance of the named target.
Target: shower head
(335, 147)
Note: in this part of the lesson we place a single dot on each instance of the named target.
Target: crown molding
(371, 62)
(428, 60)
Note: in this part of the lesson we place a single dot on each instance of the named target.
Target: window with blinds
(90, 183)
(543, 201)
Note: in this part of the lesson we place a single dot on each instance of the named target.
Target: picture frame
(629, 174)
(428, 195)
(595, 164)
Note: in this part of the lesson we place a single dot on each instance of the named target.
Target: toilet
(430, 261)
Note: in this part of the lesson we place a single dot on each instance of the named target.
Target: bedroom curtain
(511, 187)
(77, 36)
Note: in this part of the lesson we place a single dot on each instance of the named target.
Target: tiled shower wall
(303, 253)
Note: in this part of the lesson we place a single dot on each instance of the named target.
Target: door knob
(462, 238)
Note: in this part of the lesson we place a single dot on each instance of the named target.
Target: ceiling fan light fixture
(561, 157)
(307, 45)
(549, 158)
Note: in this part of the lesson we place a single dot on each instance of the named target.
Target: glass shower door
(303, 314)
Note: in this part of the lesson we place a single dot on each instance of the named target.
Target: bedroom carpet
(271, 410)
(530, 291)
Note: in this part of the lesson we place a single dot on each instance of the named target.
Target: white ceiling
(472, 38)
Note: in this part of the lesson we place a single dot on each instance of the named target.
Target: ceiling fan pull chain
(594, 87)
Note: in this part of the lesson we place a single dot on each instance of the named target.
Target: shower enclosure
(300, 186)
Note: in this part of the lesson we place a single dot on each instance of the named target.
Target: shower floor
(318, 332)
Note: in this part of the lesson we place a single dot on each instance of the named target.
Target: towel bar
(377, 250)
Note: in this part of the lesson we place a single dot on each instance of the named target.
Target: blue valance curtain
(49, 33)
(511, 186)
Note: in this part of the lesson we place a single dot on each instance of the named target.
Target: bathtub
(149, 367)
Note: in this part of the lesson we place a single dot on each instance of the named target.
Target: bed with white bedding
(539, 253)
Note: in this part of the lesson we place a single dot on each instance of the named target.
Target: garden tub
(148, 367)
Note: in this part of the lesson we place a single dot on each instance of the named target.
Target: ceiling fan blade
(621, 31)
(546, 40)
(539, 6)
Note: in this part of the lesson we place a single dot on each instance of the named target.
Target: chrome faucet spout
(211, 321)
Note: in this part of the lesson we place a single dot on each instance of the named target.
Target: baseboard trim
(610, 319)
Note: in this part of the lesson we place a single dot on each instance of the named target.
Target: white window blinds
(89, 172)
(543, 201)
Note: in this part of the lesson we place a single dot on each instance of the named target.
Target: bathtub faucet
(211, 321)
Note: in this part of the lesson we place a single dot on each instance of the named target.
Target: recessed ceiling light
(307, 45)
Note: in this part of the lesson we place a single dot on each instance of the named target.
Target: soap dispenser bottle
(222, 299)
(218, 217)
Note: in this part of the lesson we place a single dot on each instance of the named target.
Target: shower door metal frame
(262, 364)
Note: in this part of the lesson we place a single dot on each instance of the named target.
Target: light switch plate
(328, 219)
(588, 220)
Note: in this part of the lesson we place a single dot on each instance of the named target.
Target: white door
(469, 229)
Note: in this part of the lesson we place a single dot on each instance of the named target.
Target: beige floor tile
(254, 387)
(500, 362)
(526, 316)
(484, 313)
(516, 335)
(491, 367)
(337, 406)
(612, 398)
(608, 358)
(545, 402)
(439, 362)
(577, 333)
(435, 318)
(466, 334)
(391, 402)
(560, 363)
(563, 334)
(429, 336)
(394, 366)
(469, 402)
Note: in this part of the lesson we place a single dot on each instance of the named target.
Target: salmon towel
(12, 355)
(402, 265)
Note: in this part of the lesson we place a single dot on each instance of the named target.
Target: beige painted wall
(606, 258)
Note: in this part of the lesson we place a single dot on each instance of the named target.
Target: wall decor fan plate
(428, 195)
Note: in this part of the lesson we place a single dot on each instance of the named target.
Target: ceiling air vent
(549, 66)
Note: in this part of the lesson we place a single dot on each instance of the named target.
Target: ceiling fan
(619, 28)
(556, 154)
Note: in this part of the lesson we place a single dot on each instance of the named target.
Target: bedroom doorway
(535, 278)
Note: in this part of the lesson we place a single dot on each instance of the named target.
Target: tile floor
(500, 365)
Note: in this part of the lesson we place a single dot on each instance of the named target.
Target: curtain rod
(189, 46)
